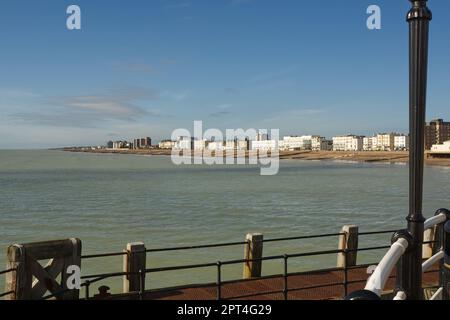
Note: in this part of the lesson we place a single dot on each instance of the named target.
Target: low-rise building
(441, 148)
(184, 143)
(292, 143)
(348, 143)
(121, 145)
(264, 145)
(401, 142)
(166, 144)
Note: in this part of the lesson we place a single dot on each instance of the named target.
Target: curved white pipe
(437, 295)
(430, 261)
(381, 274)
(431, 222)
(401, 295)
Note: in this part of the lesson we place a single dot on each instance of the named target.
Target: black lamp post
(418, 18)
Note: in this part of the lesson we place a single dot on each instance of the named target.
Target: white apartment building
(369, 143)
(184, 143)
(385, 142)
(264, 145)
(166, 144)
(348, 143)
(401, 142)
(319, 143)
(120, 145)
(296, 143)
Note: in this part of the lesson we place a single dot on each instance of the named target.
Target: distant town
(437, 139)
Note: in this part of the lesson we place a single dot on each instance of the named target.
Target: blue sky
(145, 68)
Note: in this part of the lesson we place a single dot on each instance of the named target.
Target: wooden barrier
(348, 241)
(133, 261)
(24, 258)
(253, 250)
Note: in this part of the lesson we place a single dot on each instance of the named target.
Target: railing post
(253, 251)
(430, 235)
(446, 265)
(348, 243)
(133, 262)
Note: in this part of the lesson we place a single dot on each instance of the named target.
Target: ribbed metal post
(418, 18)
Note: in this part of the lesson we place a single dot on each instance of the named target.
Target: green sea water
(110, 200)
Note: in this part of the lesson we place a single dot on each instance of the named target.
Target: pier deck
(326, 285)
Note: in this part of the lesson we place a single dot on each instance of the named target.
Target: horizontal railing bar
(102, 255)
(183, 267)
(304, 237)
(108, 275)
(368, 248)
(202, 246)
(7, 271)
(376, 232)
(215, 245)
(5, 294)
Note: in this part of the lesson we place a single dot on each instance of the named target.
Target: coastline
(359, 156)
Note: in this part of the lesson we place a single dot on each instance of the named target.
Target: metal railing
(88, 280)
(401, 242)
(344, 281)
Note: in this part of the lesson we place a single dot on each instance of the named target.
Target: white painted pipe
(431, 222)
(438, 294)
(384, 269)
(430, 261)
(401, 295)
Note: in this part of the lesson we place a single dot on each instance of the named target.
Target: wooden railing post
(348, 240)
(31, 280)
(133, 261)
(432, 236)
(253, 250)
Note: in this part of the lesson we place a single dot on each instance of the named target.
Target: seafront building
(121, 145)
(401, 142)
(166, 144)
(264, 145)
(441, 148)
(319, 143)
(292, 143)
(386, 142)
(184, 143)
(436, 132)
(348, 143)
(142, 143)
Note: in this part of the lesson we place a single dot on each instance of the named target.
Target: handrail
(226, 244)
(432, 260)
(401, 295)
(433, 221)
(378, 279)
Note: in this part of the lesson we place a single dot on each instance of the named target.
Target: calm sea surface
(109, 200)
